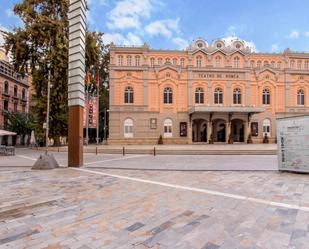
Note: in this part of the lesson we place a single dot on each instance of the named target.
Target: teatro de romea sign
(218, 75)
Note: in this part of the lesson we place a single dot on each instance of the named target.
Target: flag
(88, 79)
(98, 79)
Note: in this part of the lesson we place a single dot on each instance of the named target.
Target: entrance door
(203, 132)
(219, 130)
(199, 130)
(238, 130)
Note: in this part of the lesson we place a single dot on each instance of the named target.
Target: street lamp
(104, 126)
(47, 111)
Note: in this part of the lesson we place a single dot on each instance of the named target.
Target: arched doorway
(219, 130)
(199, 130)
(237, 130)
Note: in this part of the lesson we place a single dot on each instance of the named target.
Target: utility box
(293, 143)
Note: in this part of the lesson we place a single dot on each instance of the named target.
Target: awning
(7, 133)
(226, 109)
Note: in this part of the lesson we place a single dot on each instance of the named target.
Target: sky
(266, 25)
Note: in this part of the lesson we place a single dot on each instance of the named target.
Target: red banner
(93, 111)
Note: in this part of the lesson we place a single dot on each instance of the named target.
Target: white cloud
(293, 35)
(231, 31)
(9, 13)
(182, 43)
(230, 39)
(97, 2)
(119, 39)
(2, 35)
(165, 28)
(307, 33)
(274, 48)
(133, 39)
(127, 14)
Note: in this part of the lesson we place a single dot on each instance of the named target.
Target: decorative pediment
(237, 51)
(165, 67)
(167, 71)
(267, 73)
(221, 51)
(128, 76)
(199, 50)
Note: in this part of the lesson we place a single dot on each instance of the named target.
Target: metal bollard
(123, 151)
(96, 150)
(154, 151)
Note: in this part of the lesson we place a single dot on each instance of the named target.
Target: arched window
(167, 61)
(299, 65)
(23, 94)
(266, 97)
(292, 64)
(259, 63)
(174, 61)
(199, 95)
(237, 96)
(266, 63)
(6, 87)
(160, 61)
(272, 64)
(137, 60)
(218, 61)
(15, 91)
(300, 97)
(128, 95)
(128, 128)
(266, 127)
(306, 65)
(198, 61)
(152, 62)
(129, 60)
(168, 95)
(252, 64)
(119, 60)
(168, 128)
(279, 64)
(182, 62)
(236, 62)
(218, 96)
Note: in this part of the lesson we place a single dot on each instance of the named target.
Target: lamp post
(47, 111)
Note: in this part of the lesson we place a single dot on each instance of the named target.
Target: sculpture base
(45, 162)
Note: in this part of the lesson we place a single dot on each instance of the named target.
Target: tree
(21, 123)
(40, 47)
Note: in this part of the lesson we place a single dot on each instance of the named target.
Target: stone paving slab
(67, 208)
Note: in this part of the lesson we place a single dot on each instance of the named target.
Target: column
(228, 131)
(246, 131)
(209, 130)
(190, 130)
(76, 94)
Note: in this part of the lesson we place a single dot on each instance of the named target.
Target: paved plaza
(191, 205)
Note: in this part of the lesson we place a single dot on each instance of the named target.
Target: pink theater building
(206, 93)
(13, 92)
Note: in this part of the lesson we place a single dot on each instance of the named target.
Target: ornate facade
(206, 93)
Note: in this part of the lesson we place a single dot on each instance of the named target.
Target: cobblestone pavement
(99, 208)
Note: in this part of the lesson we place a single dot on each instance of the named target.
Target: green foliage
(21, 123)
(40, 47)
